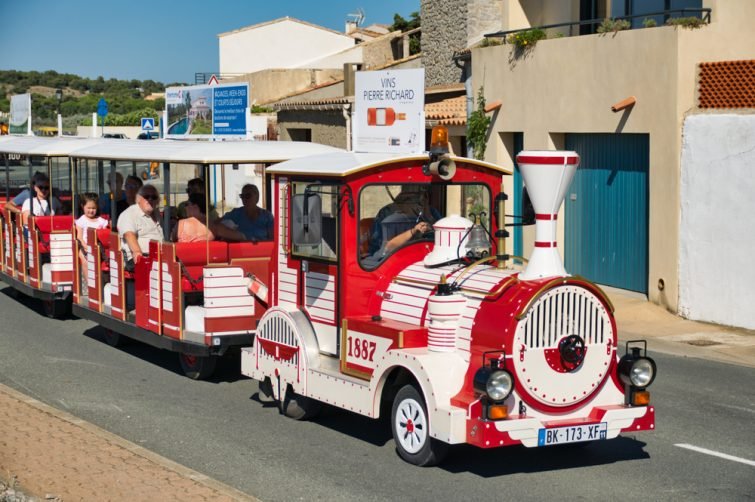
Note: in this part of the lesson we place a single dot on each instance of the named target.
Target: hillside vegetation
(125, 98)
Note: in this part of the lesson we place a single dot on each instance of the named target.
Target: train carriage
(38, 260)
(191, 298)
(394, 295)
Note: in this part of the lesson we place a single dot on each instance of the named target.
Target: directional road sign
(102, 107)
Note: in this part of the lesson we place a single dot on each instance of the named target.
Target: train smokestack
(547, 175)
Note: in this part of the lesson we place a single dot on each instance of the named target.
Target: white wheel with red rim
(197, 367)
(411, 429)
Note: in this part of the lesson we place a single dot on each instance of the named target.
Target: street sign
(148, 124)
(102, 107)
(213, 80)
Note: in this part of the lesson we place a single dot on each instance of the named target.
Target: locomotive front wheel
(300, 407)
(411, 432)
(197, 367)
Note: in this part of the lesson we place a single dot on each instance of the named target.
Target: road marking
(75, 361)
(740, 408)
(716, 454)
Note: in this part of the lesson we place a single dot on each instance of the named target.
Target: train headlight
(495, 383)
(636, 370)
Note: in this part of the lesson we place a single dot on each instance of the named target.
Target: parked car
(149, 135)
(117, 135)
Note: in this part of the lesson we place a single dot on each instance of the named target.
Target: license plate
(572, 434)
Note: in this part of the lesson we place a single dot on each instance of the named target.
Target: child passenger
(88, 219)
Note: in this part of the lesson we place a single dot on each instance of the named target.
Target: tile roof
(727, 84)
(451, 111)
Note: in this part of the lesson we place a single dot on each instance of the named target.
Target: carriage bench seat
(103, 238)
(47, 224)
(194, 257)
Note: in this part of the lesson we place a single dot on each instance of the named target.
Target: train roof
(202, 152)
(163, 150)
(45, 146)
(340, 164)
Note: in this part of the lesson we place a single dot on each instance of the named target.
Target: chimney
(350, 26)
(547, 176)
(349, 71)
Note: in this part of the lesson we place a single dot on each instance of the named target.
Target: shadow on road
(228, 368)
(497, 461)
(519, 459)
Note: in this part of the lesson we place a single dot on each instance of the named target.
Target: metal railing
(704, 14)
(204, 77)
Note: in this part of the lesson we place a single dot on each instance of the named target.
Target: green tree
(401, 24)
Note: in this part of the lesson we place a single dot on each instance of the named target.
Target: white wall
(278, 44)
(717, 234)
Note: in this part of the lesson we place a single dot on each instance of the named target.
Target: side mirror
(528, 211)
(306, 216)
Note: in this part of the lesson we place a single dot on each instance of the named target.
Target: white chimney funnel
(547, 175)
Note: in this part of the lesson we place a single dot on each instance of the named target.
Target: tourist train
(386, 289)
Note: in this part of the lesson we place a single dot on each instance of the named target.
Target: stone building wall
(328, 127)
(483, 16)
(443, 32)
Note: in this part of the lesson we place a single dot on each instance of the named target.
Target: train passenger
(116, 194)
(193, 228)
(408, 217)
(15, 204)
(247, 223)
(89, 218)
(130, 189)
(139, 224)
(195, 186)
(38, 205)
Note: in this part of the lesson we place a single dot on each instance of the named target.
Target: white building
(281, 43)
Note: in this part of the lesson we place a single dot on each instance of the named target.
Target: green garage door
(606, 210)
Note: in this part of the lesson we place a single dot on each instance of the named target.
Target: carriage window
(327, 247)
(394, 216)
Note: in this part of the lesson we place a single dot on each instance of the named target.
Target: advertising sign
(20, 114)
(207, 111)
(389, 111)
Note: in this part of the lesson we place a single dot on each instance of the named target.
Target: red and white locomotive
(438, 328)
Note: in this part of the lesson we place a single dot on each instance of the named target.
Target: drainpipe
(347, 117)
(465, 63)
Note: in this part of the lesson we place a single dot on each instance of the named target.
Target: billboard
(20, 114)
(389, 111)
(207, 111)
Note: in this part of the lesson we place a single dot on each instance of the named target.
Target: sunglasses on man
(43, 187)
(151, 197)
(246, 196)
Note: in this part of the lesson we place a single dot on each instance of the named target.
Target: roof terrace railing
(204, 77)
(704, 14)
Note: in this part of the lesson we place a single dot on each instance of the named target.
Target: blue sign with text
(229, 110)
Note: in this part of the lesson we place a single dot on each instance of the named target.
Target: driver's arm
(404, 237)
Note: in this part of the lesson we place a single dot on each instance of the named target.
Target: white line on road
(716, 454)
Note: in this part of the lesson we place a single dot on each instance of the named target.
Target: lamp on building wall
(624, 103)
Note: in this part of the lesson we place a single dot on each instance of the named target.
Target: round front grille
(563, 348)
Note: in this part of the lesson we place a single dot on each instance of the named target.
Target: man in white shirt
(38, 205)
(140, 224)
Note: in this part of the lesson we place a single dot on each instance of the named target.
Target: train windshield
(392, 216)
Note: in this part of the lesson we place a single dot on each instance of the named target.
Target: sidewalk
(56, 455)
(639, 319)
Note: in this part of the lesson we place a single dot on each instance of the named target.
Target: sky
(165, 41)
